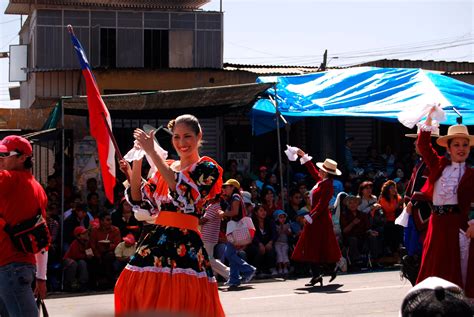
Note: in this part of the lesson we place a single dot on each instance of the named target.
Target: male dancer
(415, 217)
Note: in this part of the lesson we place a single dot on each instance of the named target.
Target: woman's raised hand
(430, 114)
(145, 140)
(125, 167)
(300, 152)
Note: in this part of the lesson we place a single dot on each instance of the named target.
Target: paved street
(368, 294)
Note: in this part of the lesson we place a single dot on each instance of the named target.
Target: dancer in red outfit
(451, 186)
(317, 244)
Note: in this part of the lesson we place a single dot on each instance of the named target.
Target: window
(156, 49)
(108, 48)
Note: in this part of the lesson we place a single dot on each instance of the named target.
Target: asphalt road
(365, 294)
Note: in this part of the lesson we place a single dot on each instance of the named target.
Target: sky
(297, 32)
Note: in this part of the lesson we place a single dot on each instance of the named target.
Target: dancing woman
(317, 244)
(451, 186)
(171, 272)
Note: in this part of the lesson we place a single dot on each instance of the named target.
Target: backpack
(30, 236)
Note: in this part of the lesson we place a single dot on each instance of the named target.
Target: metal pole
(277, 117)
(63, 166)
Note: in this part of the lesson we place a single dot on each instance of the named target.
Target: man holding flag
(99, 122)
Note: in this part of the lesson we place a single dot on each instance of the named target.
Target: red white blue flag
(99, 118)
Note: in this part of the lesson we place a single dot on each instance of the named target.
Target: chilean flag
(99, 118)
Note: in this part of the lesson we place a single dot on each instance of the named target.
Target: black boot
(314, 280)
(334, 274)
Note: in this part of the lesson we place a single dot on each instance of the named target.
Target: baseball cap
(232, 182)
(129, 238)
(16, 143)
(79, 230)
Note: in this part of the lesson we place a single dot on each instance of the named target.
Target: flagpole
(109, 131)
(117, 151)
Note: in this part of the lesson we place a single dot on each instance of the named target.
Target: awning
(362, 92)
(203, 102)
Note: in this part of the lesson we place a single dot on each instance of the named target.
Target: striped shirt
(210, 229)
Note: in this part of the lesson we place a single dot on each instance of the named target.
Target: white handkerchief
(403, 219)
(136, 153)
(291, 152)
(412, 116)
(308, 219)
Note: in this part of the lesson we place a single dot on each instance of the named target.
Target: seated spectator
(76, 272)
(262, 174)
(123, 251)
(271, 181)
(76, 219)
(124, 219)
(338, 208)
(249, 205)
(306, 200)
(392, 204)
(303, 189)
(368, 201)
(231, 169)
(104, 240)
(268, 201)
(54, 251)
(53, 227)
(261, 253)
(435, 296)
(376, 234)
(75, 203)
(296, 226)
(354, 225)
(294, 204)
(93, 205)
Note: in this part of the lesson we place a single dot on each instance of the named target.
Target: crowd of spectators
(98, 238)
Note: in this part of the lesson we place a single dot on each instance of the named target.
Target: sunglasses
(8, 154)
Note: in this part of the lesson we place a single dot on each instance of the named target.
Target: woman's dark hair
(385, 191)
(103, 214)
(264, 193)
(188, 119)
(363, 186)
(437, 302)
(28, 163)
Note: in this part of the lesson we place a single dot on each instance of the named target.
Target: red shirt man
(21, 198)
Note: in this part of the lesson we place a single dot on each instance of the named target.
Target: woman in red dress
(317, 244)
(451, 186)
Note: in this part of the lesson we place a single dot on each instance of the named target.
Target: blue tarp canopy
(361, 92)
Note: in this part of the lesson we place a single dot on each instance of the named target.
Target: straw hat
(456, 131)
(434, 134)
(329, 166)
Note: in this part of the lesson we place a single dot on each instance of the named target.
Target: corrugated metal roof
(271, 69)
(444, 66)
(25, 6)
(220, 99)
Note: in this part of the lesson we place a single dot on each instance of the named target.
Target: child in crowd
(210, 228)
(296, 226)
(76, 272)
(281, 243)
(123, 251)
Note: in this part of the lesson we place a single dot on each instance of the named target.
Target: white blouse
(446, 187)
